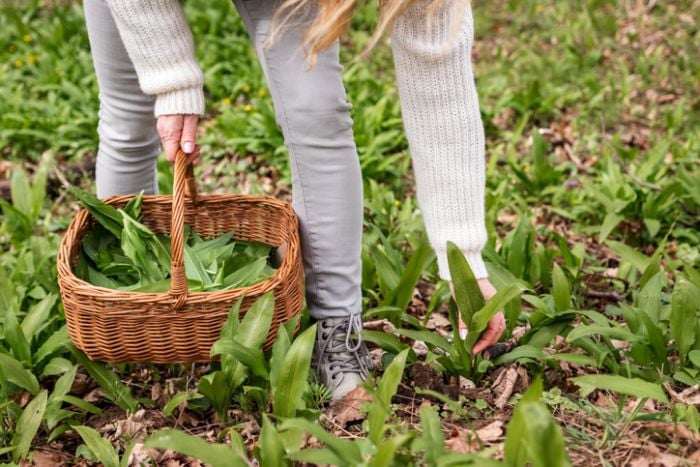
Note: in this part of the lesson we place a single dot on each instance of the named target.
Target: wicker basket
(179, 326)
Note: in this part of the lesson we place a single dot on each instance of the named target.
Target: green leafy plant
(122, 253)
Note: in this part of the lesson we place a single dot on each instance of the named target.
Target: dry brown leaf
(664, 459)
(504, 384)
(462, 441)
(250, 428)
(465, 383)
(156, 391)
(348, 409)
(380, 325)
(134, 423)
(649, 405)
(96, 395)
(604, 400)
(490, 432)
(523, 378)
(439, 323)
(47, 459)
(678, 430)
(690, 396)
(695, 457)
(420, 348)
(640, 462)
(24, 399)
(375, 357)
(140, 456)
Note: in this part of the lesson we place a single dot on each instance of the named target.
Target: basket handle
(184, 186)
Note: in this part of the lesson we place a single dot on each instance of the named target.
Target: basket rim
(82, 287)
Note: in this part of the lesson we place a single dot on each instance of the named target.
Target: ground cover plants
(591, 117)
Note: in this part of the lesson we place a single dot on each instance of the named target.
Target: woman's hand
(179, 132)
(496, 326)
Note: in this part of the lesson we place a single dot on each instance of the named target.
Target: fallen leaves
(491, 432)
(653, 457)
(348, 409)
(462, 441)
(505, 383)
(690, 396)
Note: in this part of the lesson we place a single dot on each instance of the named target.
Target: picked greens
(121, 253)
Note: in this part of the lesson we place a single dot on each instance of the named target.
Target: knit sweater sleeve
(159, 42)
(440, 110)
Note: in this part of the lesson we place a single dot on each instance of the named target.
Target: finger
(194, 158)
(189, 134)
(488, 338)
(493, 332)
(170, 148)
(170, 130)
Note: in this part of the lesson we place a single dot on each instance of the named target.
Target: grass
(591, 116)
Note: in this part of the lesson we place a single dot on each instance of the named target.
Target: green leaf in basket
(133, 207)
(104, 214)
(135, 248)
(218, 247)
(252, 273)
(194, 269)
(97, 278)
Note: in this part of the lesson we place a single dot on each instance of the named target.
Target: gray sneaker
(340, 363)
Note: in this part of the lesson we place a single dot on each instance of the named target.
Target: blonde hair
(332, 19)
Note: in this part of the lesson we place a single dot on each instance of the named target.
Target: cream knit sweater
(439, 104)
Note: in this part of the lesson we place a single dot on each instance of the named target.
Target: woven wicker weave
(179, 326)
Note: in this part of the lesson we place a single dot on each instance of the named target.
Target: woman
(151, 93)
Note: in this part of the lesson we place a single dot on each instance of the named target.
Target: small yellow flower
(27, 38)
(19, 62)
(248, 108)
(397, 203)
(12, 48)
(31, 59)
(246, 88)
(262, 93)
(227, 101)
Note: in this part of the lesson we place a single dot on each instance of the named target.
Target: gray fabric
(312, 110)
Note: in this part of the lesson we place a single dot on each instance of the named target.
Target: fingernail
(462, 334)
(187, 147)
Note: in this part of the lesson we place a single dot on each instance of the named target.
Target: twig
(611, 295)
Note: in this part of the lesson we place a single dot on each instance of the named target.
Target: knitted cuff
(473, 258)
(180, 101)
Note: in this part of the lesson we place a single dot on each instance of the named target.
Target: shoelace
(343, 358)
(354, 327)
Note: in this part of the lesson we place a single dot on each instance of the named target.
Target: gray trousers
(312, 110)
